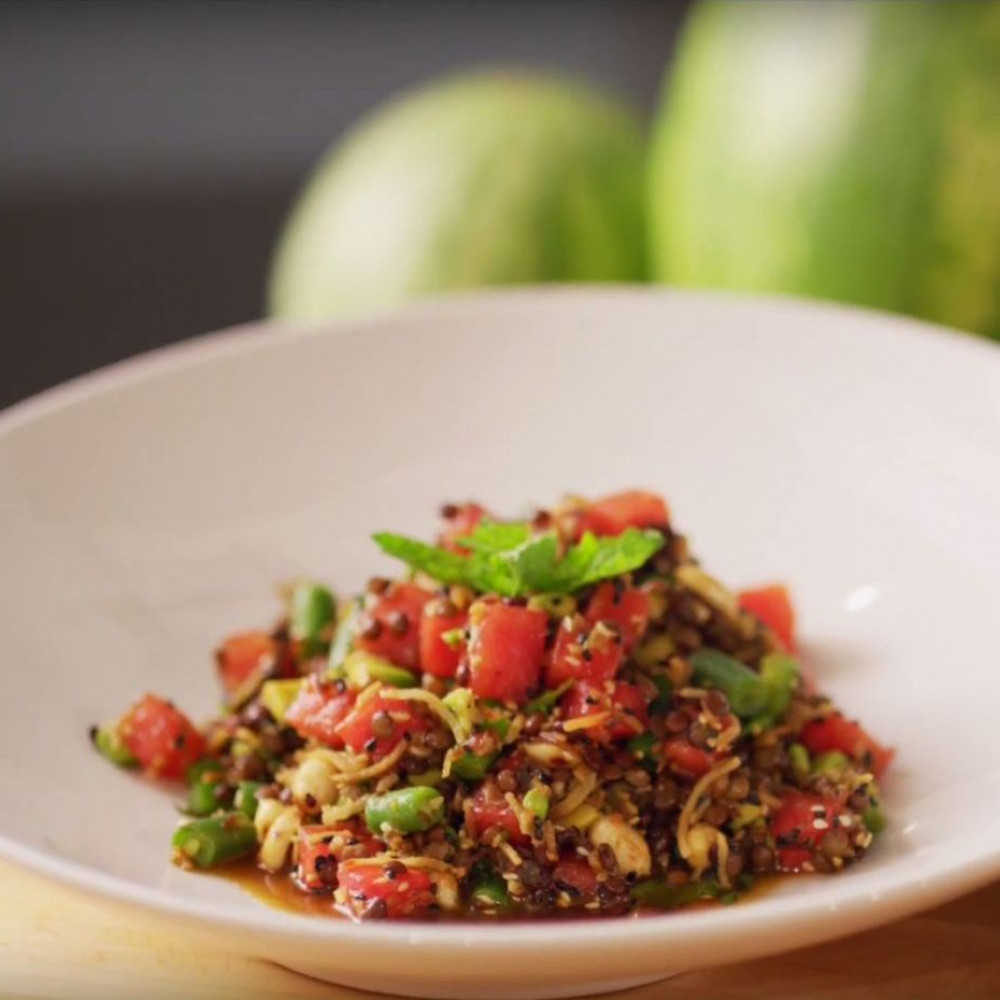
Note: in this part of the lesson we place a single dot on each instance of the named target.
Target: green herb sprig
(508, 559)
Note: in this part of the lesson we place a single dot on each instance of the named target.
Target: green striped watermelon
(846, 150)
(480, 179)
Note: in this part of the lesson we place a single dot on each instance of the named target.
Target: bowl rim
(892, 894)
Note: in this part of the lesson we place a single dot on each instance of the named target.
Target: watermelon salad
(562, 715)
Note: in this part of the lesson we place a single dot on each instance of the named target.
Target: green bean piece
(206, 843)
(875, 818)
(246, 797)
(361, 668)
(748, 694)
(201, 767)
(831, 763)
(311, 610)
(108, 743)
(405, 810)
(536, 801)
(472, 766)
(343, 639)
(781, 675)
(488, 890)
(798, 758)
(547, 700)
(654, 650)
(278, 696)
(747, 814)
(461, 702)
(203, 799)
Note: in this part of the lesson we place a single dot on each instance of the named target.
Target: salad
(565, 715)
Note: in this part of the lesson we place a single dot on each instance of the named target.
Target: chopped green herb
(453, 638)
(547, 700)
(642, 745)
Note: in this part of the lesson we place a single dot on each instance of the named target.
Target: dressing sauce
(280, 892)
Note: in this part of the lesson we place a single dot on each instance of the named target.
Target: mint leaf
(495, 536)
(506, 559)
(535, 564)
(442, 565)
(593, 559)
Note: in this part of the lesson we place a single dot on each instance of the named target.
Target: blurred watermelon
(844, 150)
(480, 179)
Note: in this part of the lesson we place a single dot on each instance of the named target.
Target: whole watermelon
(846, 150)
(481, 179)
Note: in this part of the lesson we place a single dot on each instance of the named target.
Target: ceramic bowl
(149, 509)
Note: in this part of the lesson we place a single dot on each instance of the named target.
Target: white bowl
(149, 509)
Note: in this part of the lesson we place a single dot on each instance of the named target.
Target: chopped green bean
(405, 810)
(874, 818)
(206, 765)
(203, 799)
(361, 668)
(488, 890)
(462, 702)
(246, 797)
(781, 675)
(831, 763)
(215, 840)
(748, 694)
(277, 696)
(536, 801)
(311, 610)
(472, 766)
(747, 814)
(108, 743)
(798, 758)
(656, 649)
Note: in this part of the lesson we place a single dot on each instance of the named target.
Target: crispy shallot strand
(387, 763)
(701, 786)
(586, 782)
(435, 704)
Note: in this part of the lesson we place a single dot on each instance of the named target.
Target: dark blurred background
(150, 148)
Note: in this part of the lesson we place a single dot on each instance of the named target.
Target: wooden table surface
(56, 944)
